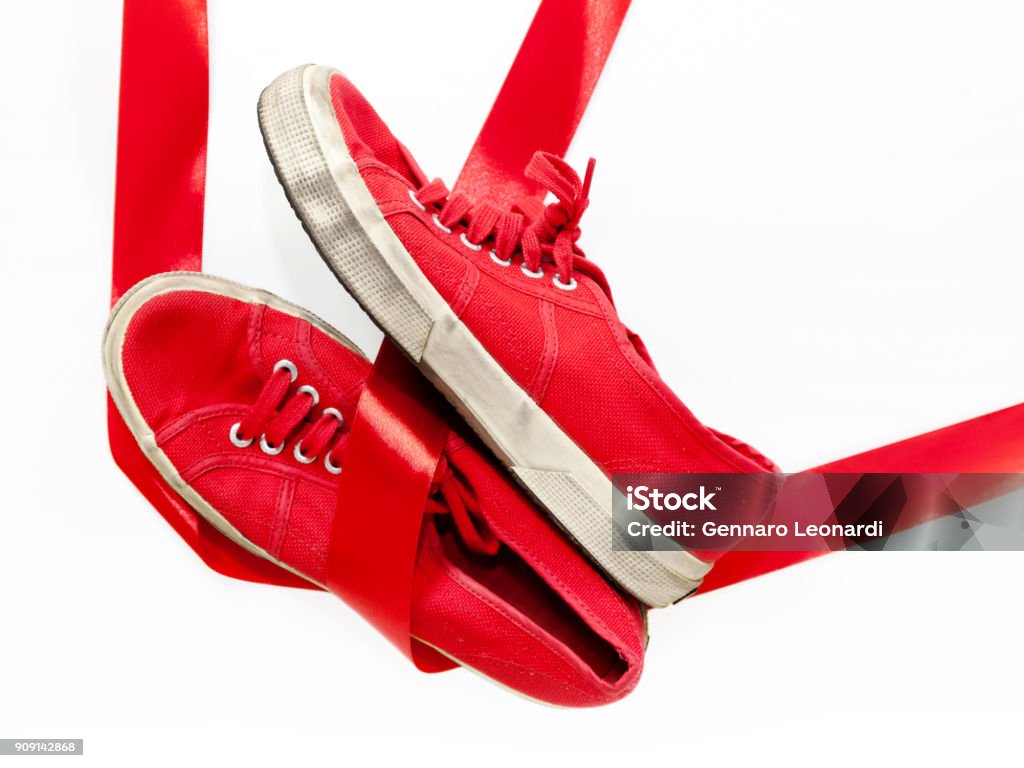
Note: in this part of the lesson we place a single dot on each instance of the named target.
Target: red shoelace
(552, 235)
(282, 413)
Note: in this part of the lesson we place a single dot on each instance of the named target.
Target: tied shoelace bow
(281, 413)
(553, 234)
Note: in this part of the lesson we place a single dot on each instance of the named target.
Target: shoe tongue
(416, 173)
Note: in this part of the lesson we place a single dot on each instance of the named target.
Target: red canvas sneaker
(503, 314)
(242, 402)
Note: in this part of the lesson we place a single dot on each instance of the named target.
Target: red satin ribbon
(161, 140)
(158, 220)
(543, 97)
(991, 443)
(396, 440)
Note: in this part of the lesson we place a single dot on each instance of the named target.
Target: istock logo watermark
(642, 498)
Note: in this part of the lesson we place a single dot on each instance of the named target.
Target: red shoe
(504, 316)
(241, 401)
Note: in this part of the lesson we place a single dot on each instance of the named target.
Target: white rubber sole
(328, 194)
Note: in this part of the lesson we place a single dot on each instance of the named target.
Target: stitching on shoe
(281, 512)
(256, 315)
(402, 205)
(627, 354)
(304, 342)
(173, 428)
(343, 397)
(466, 585)
(549, 355)
(467, 290)
(552, 577)
(256, 464)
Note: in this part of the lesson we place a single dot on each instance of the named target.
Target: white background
(812, 211)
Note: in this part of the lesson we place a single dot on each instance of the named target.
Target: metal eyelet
(416, 201)
(570, 286)
(330, 467)
(289, 365)
(311, 392)
(327, 456)
(535, 275)
(235, 439)
(268, 449)
(439, 225)
(499, 261)
(300, 456)
(471, 246)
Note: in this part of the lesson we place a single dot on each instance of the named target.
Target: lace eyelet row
(272, 450)
(556, 280)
